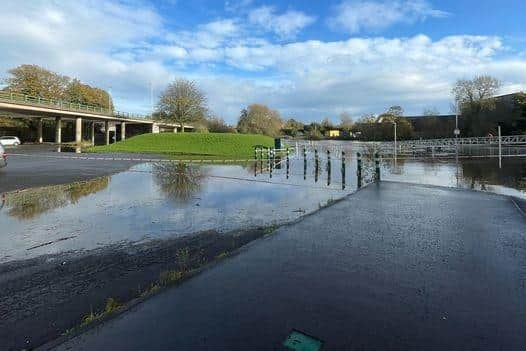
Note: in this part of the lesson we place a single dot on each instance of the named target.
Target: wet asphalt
(392, 267)
(40, 165)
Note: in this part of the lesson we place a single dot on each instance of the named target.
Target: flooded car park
(149, 201)
(166, 199)
(111, 234)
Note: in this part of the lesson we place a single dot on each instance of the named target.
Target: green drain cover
(302, 342)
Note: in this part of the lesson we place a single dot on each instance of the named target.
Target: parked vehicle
(3, 157)
(10, 140)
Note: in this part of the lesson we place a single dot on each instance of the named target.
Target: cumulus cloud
(286, 25)
(354, 16)
(129, 47)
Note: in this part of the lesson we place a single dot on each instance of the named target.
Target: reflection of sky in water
(476, 174)
(142, 203)
(132, 207)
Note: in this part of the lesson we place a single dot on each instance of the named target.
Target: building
(432, 127)
(334, 133)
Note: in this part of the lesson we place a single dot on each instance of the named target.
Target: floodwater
(470, 170)
(153, 201)
(169, 199)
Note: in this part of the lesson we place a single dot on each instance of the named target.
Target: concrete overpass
(30, 107)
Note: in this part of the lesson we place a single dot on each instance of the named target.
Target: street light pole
(395, 150)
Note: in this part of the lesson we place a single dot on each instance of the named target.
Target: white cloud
(129, 47)
(286, 25)
(354, 16)
(237, 5)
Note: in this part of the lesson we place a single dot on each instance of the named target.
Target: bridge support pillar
(40, 138)
(107, 131)
(175, 129)
(58, 130)
(92, 133)
(78, 130)
(155, 128)
(123, 131)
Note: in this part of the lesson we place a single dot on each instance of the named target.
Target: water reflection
(153, 201)
(69, 148)
(30, 203)
(178, 181)
(476, 174)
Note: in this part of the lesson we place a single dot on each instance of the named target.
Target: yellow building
(334, 133)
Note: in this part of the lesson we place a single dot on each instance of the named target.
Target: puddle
(152, 201)
(164, 200)
(477, 174)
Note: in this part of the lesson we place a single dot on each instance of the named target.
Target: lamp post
(457, 133)
(395, 150)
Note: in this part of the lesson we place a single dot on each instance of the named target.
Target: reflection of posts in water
(271, 162)
(277, 161)
(288, 163)
(3, 202)
(261, 160)
(359, 169)
(256, 149)
(304, 163)
(377, 166)
(268, 158)
(500, 148)
(343, 170)
(328, 167)
(316, 165)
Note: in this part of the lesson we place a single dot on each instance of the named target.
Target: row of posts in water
(273, 160)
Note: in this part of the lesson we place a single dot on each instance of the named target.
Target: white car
(9, 140)
(3, 157)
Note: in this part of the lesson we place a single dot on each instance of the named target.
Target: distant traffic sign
(457, 131)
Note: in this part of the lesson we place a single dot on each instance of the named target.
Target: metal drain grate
(299, 341)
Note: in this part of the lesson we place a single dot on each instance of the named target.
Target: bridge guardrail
(23, 99)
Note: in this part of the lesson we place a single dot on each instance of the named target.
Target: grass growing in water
(191, 145)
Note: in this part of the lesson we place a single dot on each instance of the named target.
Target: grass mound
(191, 145)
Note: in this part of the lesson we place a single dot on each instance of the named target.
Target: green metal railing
(22, 99)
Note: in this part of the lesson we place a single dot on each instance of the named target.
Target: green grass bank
(190, 145)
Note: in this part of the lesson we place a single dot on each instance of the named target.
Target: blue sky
(308, 59)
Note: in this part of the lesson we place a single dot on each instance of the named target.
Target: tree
(473, 97)
(367, 118)
(369, 127)
(346, 122)
(181, 102)
(218, 125)
(259, 119)
(431, 112)
(37, 81)
(326, 125)
(396, 110)
(292, 127)
(404, 129)
(81, 93)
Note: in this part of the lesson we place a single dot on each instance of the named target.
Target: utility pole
(456, 131)
(395, 150)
